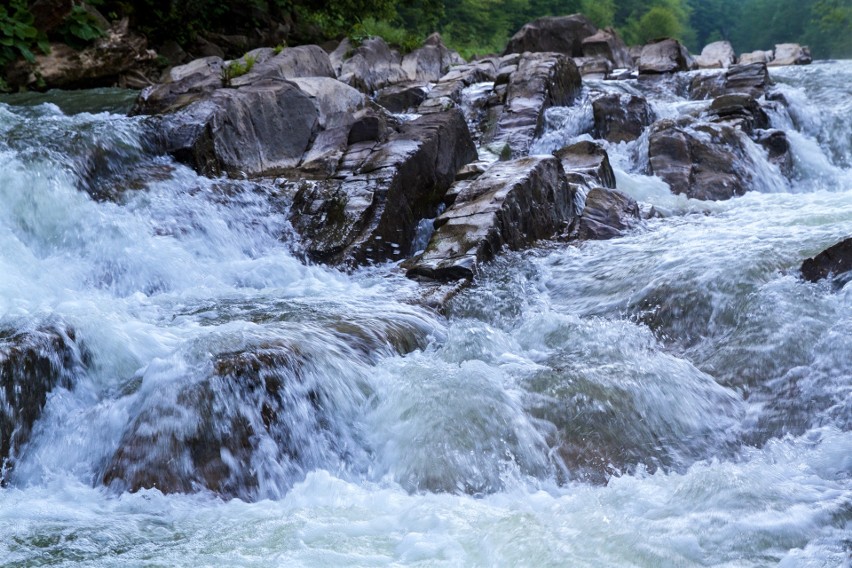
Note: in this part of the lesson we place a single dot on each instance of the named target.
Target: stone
(664, 56)
(758, 56)
(791, 54)
(447, 93)
(402, 97)
(373, 65)
(290, 63)
(431, 61)
(607, 214)
(370, 212)
(541, 81)
(621, 117)
(777, 147)
(746, 78)
(593, 66)
(700, 160)
(560, 34)
(716, 55)
(607, 44)
(739, 110)
(590, 160)
(184, 85)
(833, 261)
(33, 363)
(511, 205)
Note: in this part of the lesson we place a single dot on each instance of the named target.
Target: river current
(674, 397)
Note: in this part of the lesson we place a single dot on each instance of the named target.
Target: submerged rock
(833, 261)
(512, 205)
(32, 364)
(561, 34)
(621, 118)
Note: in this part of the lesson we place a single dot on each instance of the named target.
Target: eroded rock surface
(561, 34)
(589, 160)
(607, 214)
(621, 118)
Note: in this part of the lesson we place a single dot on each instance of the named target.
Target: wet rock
(777, 145)
(747, 78)
(447, 93)
(739, 110)
(833, 261)
(791, 54)
(100, 64)
(699, 160)
(590, 160)
(431, 61)
(370, 212)
(758, 56)
(560, 34)
(403, 96)
(716, 55)
(621, 118)
(373, 65)
(593, 66)
(607, 44)
(511, 205)
(664, 56)
(607, 214)
(541, 81)
(32, 364)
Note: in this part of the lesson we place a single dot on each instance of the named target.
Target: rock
(512, 205)
(373, 65)
(590, 160)
(371, 214)
(757, 57)
(791, 54)
(701, 161)
(202, 47)
(747, 78)
(833, 261)
(560, 34)
(607, 44)
(100, 64)
(778, 147)
(402, 97)
(184, 85)
(541, 81)
(621, 118)
(430, 62)
(290, 63)
(716, 55)
(664, 56)
(607, 214)
(739, 110)
(32, 364)
(447, 93)
(593, 66)
(173, 52)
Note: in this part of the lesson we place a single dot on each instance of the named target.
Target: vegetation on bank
(470, 26)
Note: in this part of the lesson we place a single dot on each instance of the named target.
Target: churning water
(674, 397)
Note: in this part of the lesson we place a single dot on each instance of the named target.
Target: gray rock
(664, 56)
(607, 214)
(747, 78)
(371, 212)
(716, 55)
(777, 146)
(184, 85)
(541, 81)
(835, 260)
(290, 63)
(593, 66)
(590, 160)
(447, 93)
(791, 54)
(621, 118)
(430, 62)
(700, 160)
(758, 56)
(561, 34)
(512, 205)
(373, 65)
(606, 43)
(739, 110)
(402, 97)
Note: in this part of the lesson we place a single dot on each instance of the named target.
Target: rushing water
(674, 397)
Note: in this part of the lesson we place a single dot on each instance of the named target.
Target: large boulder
(791, 54)
(739, 110)
(747, 78)
(621, 117)
(373, 65)
(834, 261)
(103, 63)
(403, 97)
(607, 214)
(289, 63)
(511, 205)
(664, 56)
(431, 61)
(370, 212)
(32, 364)
(607, 44)
(759, 56)
(589, 161)
(561, 34)
(701, 160)
(541, 80)
(716, 55)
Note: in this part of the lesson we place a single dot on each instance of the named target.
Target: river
(674, 397)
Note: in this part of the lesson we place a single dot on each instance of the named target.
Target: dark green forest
(470, 26)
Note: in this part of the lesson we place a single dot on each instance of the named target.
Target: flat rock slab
(745, 78)
(835, 260)
(512, 205)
